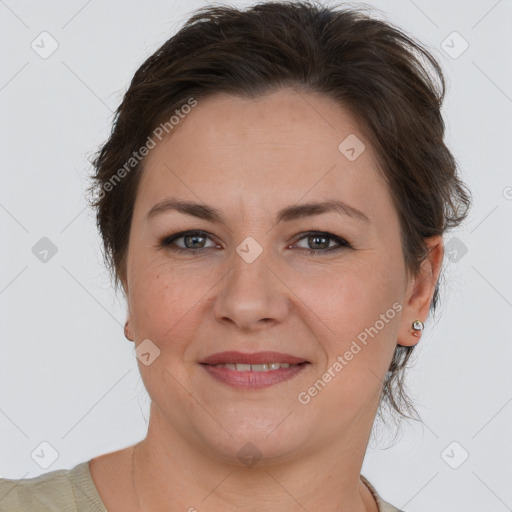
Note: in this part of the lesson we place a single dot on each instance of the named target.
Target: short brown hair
(390, 83)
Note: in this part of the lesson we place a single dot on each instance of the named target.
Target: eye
(194, 241)
(322, 242)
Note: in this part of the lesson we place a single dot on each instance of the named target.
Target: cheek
(356, 319)
(163, 303)
(350, 297)
(164, 309)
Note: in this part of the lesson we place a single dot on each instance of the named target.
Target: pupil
(317, 237)
(194, 238)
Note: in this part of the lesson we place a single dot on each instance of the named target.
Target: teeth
(254, 367)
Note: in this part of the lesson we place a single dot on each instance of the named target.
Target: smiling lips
(252, 371)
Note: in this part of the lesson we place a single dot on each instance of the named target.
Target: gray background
(69, 378)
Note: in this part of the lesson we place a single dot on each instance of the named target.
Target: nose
(251, 295)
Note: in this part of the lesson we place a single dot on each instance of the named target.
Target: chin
(250, 450)
(265, 441)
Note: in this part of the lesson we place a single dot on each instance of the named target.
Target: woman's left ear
(420, 291)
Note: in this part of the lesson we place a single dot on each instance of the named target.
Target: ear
(128, 331)
(420, 291)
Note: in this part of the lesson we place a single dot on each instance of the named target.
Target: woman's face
(254, 280)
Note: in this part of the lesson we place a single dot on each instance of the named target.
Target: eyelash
(167, 242)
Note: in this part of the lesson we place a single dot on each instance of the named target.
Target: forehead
(275, 149)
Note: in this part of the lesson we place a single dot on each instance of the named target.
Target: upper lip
(254, 358)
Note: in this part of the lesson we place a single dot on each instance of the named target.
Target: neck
(171, 473)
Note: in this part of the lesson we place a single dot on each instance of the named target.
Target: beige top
(73, 490)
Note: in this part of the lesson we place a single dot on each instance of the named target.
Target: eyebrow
(287, 214)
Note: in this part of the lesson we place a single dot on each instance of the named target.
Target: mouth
(254, 359)
(253, 371)
(265, 367)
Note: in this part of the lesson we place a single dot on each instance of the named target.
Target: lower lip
(253, 380)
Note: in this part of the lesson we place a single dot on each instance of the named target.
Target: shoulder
(384, 506)
(69, 490)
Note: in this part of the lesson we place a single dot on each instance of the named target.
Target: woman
(272, 201)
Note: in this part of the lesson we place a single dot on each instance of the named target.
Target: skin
(249, 158)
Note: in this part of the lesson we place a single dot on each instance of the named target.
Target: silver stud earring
(417, 326)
